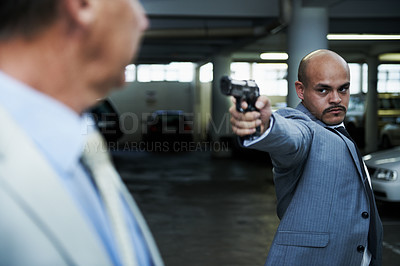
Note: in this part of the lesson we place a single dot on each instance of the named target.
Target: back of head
(24, 18)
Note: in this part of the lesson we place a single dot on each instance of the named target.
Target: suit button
(360, 249)
(365, 215)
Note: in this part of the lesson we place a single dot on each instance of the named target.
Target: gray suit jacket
(320, 193)
(40, 224)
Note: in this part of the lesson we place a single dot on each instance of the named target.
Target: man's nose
(335, 97)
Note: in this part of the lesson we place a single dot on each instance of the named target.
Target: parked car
(390, 135)
(384, 170)
(107, 120)
(168, 127)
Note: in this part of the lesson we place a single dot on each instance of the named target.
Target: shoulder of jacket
(291, 113)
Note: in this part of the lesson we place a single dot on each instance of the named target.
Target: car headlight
(386, 175)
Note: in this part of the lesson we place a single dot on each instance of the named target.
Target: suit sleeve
(289, 139)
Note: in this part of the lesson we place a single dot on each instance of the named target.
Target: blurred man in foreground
(57, 57)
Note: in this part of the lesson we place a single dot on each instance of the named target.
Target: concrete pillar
(307, 31)
(361, 73)
(219, 125)
(197, 105)
(371, 116)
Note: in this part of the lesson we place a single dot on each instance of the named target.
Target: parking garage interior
(207, 200)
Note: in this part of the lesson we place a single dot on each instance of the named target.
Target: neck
(46, 63)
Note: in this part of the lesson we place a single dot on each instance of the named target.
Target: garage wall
(202, 110)
(136, 100)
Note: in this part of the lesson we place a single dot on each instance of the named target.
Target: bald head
(318, 57)
(323, 86)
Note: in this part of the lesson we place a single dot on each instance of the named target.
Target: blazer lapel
(151, 244)
(352, 149)
(38, 189)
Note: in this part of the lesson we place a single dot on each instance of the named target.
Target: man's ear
(299, 89)
(80, 12)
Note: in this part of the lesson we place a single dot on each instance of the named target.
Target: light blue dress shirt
(60, 134)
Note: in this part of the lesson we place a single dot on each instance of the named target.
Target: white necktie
(97, 160)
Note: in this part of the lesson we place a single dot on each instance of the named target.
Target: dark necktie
(372, 234)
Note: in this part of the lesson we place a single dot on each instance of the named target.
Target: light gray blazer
(40, 224)
(320, 193)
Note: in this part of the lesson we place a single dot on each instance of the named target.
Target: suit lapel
(37, 188)
(152, 247)
(352, 149)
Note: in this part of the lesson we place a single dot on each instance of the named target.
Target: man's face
(114, 41)
(326, 94)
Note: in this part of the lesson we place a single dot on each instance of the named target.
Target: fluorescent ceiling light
(274, 56)
(362, 37)
(390, 57)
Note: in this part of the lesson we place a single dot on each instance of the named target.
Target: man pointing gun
(325, 204)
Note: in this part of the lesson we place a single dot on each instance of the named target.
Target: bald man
(325, 204)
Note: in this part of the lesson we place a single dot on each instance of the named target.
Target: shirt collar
(335, 126)
(57, 130)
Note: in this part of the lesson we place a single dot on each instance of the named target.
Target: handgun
(242, 90)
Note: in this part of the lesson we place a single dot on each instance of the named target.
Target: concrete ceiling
(196, 30)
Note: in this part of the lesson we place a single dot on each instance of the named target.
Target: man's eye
(322, 90)
(343, 89)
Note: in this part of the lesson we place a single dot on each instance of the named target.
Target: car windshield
(170, 118)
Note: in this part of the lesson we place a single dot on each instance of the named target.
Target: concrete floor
(207, 211)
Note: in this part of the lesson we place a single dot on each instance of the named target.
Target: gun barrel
(237, 87)
(226, 85)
